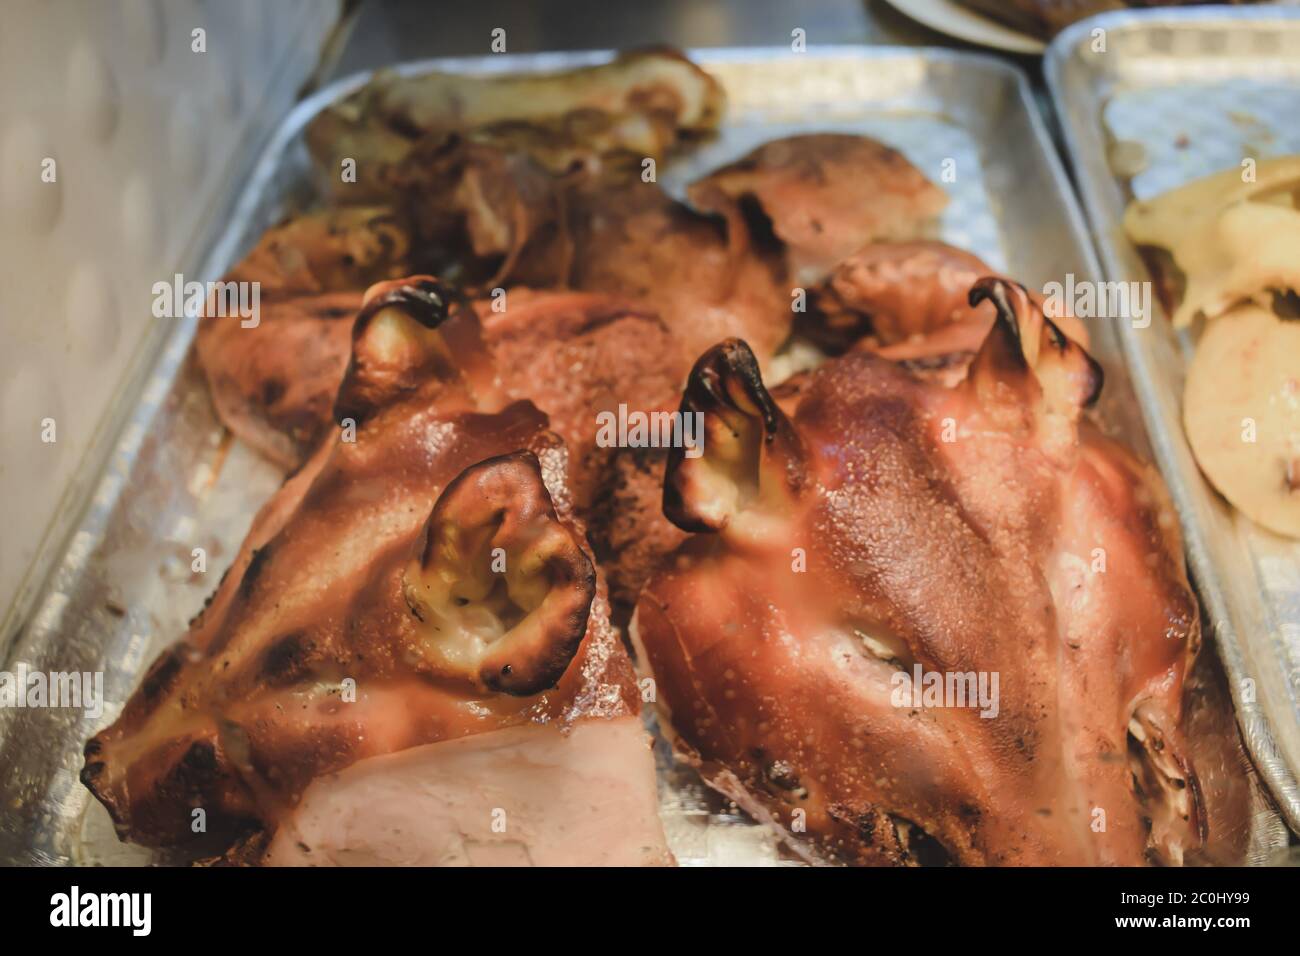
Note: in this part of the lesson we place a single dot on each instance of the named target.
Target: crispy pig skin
(703, 274)
(706, 274)
(908, 301)
(869, 521)
(639, 105)
(577, 355)
(273, 384)
(826, 195)
(371, 565)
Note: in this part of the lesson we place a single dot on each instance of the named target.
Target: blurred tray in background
(1174, 96)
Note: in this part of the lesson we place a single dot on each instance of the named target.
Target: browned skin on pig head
(700, 273)
(825, 196)
(907, 301)
(866, 521)
(497, 218)
(578, 355)
(273, 383)
(374, 564)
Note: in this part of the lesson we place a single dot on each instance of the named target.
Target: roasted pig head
(823, 196)
(922, 623)
(329, 250)
(909, 301)
(576, 355)
(273, 380)
(500, 221)
(610, 116)
(417, 601)
(703, 274)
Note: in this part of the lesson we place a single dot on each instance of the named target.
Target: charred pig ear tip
(402, 343)
(729, 362)
(424, 298)
(727, 354)
(1003, 293)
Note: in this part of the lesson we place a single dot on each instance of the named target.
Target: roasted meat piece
(909, 301)
(903, 295)
(329, 250)
(703, 274)
(921, 623)
(273, 381)
(756, 231)
(640, 105)
(417, 602)
(503, 222)
(824, 196)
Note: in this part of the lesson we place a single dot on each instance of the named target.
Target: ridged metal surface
(1190, 93)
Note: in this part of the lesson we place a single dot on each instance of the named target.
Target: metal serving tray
(122, 588)
(1192, 92)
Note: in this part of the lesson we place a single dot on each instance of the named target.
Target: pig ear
(501, 588)
(1026, 359)
(743, 449)
(412, 335)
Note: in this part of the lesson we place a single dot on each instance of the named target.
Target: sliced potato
(1241, 409)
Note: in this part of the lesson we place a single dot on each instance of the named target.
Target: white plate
(963, 23)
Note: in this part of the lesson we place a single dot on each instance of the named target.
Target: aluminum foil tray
(122, 587)
(1174, 96)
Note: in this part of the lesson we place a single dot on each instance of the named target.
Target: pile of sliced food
(1226, 253)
